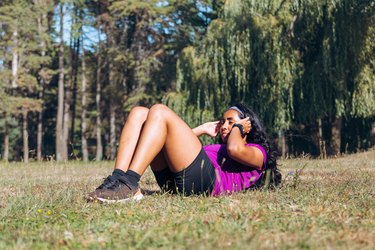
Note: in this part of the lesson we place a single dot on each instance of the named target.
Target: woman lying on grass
(157, 137)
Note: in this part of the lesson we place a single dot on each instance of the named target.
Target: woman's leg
(192, 170)
(128, 142)
(165, 138)
(165, 130)
(129, 137)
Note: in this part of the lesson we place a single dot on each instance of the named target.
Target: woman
(157, 137)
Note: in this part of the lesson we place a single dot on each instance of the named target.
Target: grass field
(323, 204)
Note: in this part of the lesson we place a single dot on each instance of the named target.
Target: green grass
(323, 204)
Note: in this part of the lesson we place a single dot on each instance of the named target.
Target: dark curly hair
(271, 177)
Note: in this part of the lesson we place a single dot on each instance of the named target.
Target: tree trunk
(112, 113)
(99, 145)
(25, 136)
(6, 139)
(372, 135)
(67, 116)
(61, 148)
(322, 142)
(112, 119)
(70, 82)
(13, 86)
(74, 72)
(282, 143)
(336, 136)
(14, 59)
(359, 139)
(85, 154)
(66, 119)
(39, 146)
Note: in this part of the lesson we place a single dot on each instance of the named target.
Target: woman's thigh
(181, 145)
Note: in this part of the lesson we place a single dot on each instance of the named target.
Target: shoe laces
(120, 182)
(108, 182)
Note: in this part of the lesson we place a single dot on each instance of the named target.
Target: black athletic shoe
(115, 190)
(108, 182)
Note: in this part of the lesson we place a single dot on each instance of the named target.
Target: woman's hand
(208, 128)
(246, 123)
(211, 128)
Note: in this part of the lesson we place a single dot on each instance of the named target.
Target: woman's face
(230, 117)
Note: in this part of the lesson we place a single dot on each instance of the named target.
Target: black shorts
(198, 178)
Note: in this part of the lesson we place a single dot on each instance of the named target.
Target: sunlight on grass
(321, 204)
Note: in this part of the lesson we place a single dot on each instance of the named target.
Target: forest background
(71, 70)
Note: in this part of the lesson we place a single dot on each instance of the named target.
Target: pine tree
(19, 80)
(44, 75)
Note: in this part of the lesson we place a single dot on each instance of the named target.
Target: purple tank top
(232, 176)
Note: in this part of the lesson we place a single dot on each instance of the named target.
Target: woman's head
(233, 115)
(230, 117)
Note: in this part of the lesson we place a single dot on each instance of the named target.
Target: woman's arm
(208, 128)
(238, 151)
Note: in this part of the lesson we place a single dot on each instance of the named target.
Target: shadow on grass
(150, 192)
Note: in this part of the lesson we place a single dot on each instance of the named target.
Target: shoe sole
(136, 197)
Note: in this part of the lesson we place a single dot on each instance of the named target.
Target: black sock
(132, 178)
(118, 173)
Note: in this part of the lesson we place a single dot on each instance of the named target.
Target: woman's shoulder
(260, 147)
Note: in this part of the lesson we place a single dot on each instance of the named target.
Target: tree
(331, 39)
(143, 40)
(19, 21)
(246, 56)
(44, 74)
(99, 145)
(284, 58)
(85, 155)
(61, 143)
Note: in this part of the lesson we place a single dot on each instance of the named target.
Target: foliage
(363, 96)
(336, 54)
(20, 35)
(298, 64)
(15, 136)
(193, 115)
(246, 56)
(295, 63)
(284, 58)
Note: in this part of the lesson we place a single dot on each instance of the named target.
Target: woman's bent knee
(159, 110)
(159, 107)
(139, 113)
